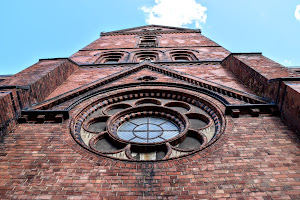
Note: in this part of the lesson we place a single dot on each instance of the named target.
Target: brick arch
(182, 55)
(214, 97)
(120, 55)
(137, 56)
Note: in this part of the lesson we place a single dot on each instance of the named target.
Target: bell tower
(151, 112)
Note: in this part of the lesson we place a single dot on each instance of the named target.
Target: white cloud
(297, 12)
(176, 13)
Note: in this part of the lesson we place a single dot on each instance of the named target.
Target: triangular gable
(188, 79)
(150, 28)
(146, 75)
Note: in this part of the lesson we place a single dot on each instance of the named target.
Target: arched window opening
(110, 58)
(182, 56)
(143, 56)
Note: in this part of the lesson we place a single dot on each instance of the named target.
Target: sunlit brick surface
(259, 158)
(256, 158)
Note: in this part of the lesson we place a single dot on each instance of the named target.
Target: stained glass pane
(126, 135)
(142, 127)
(139, 121)
(169, 134)
(127, 127)
(169, 126)
(147, 130)
(143, 135)
(156, 120)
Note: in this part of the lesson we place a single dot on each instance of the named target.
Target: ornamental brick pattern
(253, 154)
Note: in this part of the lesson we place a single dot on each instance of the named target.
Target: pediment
(164, 75)
(150, 28)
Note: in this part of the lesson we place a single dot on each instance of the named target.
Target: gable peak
(150, 29)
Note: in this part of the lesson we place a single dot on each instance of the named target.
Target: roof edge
(175, 29)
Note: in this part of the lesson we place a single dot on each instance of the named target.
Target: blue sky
(35, 29)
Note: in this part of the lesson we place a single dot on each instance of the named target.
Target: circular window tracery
(149, 126)
(148, 130)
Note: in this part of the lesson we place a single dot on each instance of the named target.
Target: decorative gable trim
(131, 31)
(189, 79)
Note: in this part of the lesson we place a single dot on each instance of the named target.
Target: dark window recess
(146, 78)
(183, 56)
(143, 56)
(110, 58)
(147, 42)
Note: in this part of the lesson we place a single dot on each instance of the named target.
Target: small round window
(148, 130)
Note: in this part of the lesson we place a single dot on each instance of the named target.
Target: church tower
(152, 112)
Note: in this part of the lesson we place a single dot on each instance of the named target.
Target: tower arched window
(182, 56)
(112, 57)
(146, 55)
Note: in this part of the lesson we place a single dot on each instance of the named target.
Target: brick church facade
(151, 112)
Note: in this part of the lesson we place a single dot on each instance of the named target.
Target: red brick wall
(255, 159)
(7, 113)
(290, 104)
(84, 76)
(185, 39)
(256, 71)
(165, 40)
(12, 101)
(42, 77)
(202, 54)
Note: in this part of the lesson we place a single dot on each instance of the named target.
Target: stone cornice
(149, 32)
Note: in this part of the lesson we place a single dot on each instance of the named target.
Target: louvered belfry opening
(147, 42)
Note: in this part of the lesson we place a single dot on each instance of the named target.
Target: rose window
(148, 126)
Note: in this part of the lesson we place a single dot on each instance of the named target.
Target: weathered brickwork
(167, 40)
(82, 77)
(290, 103)
(256, 158)
(41, 79)
(254, 153)
(214, 53)
(215, 73)
(258, 73)
(11, 104)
